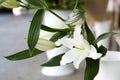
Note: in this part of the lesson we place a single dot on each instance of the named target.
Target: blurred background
(102, 16)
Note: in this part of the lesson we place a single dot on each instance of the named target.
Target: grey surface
(13, 30)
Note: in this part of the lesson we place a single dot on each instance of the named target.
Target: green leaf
(75, 16)
(10, 3)
(90, 36)
(92, 68)
(34, 30)
(57, 36)
(37, 3)
(104, 36)
(1, 1)
(23, 55)
(49, 29)
(83, 32)
(55, 61)
(102, 50)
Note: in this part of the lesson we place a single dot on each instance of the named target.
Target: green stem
(56, 14)
(46, 6)
(76, 4)
(60, 18)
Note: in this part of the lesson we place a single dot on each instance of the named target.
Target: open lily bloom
(79, 49)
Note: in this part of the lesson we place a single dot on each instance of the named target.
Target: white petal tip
(77, 67)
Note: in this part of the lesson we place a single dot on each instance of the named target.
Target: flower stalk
(60, 18)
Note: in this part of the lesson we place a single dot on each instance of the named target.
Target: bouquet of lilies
(78, 38)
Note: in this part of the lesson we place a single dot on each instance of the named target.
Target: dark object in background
(65, 4)
(5, 10)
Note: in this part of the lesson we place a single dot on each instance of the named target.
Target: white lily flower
(44, 44)
(79, 49)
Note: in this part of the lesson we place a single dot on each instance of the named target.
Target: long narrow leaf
(90, 36)
(10, 3)
(75, 16)
(102, 50)
(34, 30)
(55, 61)
(57, 36)
(1, 1)
(23, 55)
(92, 68)
(104, 36)
(49, 29)
(83, 32)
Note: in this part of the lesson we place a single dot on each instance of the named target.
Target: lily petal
(86, 45)
(67, 58)
(75, 56)
(67, 42)
(79, 58)
(78, 38)
(93, 53)
(44, 44)
(77, 33)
